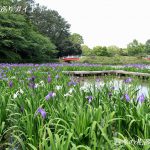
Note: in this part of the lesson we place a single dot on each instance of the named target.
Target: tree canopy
(34, 34)
(135, 48)
(76, 38)
(20, 41)
(30, 32)
(52, 25)
(147, 47)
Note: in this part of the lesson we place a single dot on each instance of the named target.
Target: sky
(105, 22)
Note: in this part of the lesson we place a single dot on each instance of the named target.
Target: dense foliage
(32, 33)
(19, 40)
(133, 49)
(42, 109)
(51, 24)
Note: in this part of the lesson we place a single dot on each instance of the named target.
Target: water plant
(41, 109)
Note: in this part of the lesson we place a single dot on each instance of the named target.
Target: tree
(68, 48)
(86, 51)
(113, 50)
(51, 24)
(123, 52)
(76, 38)
(5, 2)
(135, 48)
(20, 41)
(147, 47)
(100, 51)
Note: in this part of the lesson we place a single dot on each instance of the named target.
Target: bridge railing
(71, 56)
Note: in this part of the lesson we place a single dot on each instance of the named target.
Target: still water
(139, 85)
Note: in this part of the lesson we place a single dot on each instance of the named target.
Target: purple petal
(42, 112)
(128, 80)
(10, 84)
(141, 98)
(127, 97)
(49, 79)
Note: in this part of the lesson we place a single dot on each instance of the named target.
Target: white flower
(36, 85)
(53, 94)
(83, 88)
(67, 94)
(58, 87)
(15, 95)
(21, 91)
(17, 92)
(71, 90)
(42, 83)
(29, 72)
(13, 77)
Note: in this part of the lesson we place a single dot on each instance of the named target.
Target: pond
(138, 85)
(141, 66)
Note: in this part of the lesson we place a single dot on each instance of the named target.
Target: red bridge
(70, 58)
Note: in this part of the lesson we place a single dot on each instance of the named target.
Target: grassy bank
(114, 60)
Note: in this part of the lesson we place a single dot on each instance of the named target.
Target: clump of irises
(58, 110)
(50, 95)
(128, 80)
(42, 112)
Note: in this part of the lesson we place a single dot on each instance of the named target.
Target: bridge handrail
(70, 56)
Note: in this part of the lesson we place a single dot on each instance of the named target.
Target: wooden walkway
(107, 72)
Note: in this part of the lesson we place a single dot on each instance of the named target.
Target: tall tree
(147, 47)
(68, 48)
(5, 2)
(51, 24)
(20, 41)
(100, 51)
(135, 48)
(113, 50)
(76, 38)
(86, 51)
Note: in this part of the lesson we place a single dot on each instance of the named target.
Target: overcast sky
(105, 22)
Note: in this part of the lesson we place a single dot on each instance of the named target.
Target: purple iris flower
(49, 79)
(128, 80)
(32, 78)
(97, 80)
(113, 88)
(72, 83)
(127, 97)
(89, 98)
(50, 95)
(141, 98)
(32, 85)
(69, 83)
(42, 112)
(10, 84)
(57, 76)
